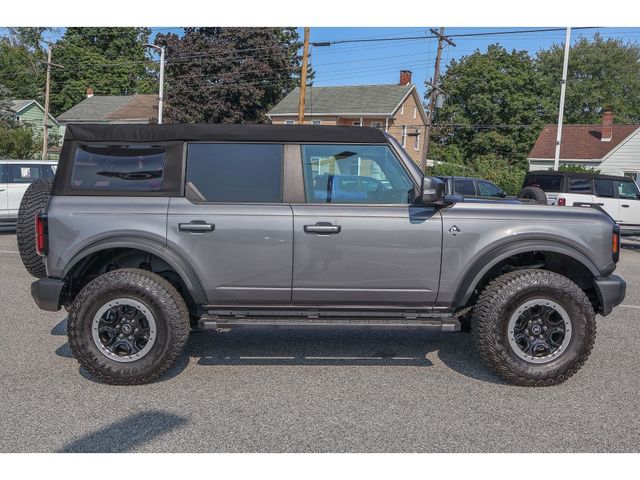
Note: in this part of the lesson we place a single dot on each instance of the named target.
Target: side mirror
(432, 190)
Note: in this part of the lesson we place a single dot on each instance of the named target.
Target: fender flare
(153, 247)
(485, 262)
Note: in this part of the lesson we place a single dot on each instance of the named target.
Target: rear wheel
(33, 202)
(534, 327)
(128, 326)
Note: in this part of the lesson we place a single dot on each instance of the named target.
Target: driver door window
(357, 174)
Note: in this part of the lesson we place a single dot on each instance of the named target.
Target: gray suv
(150, 231)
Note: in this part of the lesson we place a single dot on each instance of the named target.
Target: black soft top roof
(223, 133)
(556, 173)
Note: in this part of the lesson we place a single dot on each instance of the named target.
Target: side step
(216, 322)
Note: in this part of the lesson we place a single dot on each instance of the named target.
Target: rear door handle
(323, 228)
(198, 226)
(625, 206)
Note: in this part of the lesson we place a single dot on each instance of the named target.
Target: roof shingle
(102, 108)
(579, 142)
(358, 99)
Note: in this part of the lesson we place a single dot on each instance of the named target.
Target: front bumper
(46, 293)
(611, 291)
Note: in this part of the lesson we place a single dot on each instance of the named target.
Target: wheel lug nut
(540, 336)
(544, 328)
(531, 338)
(131, 337)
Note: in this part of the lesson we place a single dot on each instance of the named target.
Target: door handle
(1, 189)
(624, 206)
(198, 226)
(323, 228)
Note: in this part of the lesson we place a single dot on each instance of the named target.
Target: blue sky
(372, 63)
(375, 63)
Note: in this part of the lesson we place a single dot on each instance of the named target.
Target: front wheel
(128, 326)
(534, 327)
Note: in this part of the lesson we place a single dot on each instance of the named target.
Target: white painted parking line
(8, 251)
(630, 306)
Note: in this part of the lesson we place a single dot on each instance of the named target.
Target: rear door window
(579, 185)
(548, 183)
(24, 173)
(234, 173)
(604, 188)
(464, 187)
(118, 168)
(488, 189)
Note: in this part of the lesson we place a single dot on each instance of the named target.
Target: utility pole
(303, 76)
(565, 67)
(432, 97)
(45, 126)
(161, 87)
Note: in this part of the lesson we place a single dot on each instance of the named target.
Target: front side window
(627, 190)
(604, 188)
(488, 189)
(118, 167)
(366, 174)
(234, 173)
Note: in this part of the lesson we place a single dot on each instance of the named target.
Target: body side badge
(454, 230)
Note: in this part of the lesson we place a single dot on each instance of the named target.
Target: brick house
(395, 108)
(613, 149)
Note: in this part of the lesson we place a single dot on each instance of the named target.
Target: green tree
(228, 75)
(18, 142)
(22, 58)
(493, 106)
(110, 60)
(601, 74)
(578, 169)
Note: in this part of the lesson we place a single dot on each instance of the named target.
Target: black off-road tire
(159, 296)
(494, 308)
(533, 193)
(33, 202)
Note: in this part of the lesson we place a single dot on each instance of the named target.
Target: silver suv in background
(151, 230)
(15, 177)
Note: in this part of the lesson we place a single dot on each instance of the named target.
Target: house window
(402, 109)
(416, 143)
(316, 122)
(404, 135)
(376, 125)
(415, 112)
(289, 122)
(356, 123)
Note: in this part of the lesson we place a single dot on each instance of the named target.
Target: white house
(613, 149)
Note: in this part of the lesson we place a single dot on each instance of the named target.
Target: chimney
(405, 77)
(89, 92)
(607, 125)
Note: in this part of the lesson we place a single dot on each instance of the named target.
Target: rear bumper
(46, 293)
(611, 291)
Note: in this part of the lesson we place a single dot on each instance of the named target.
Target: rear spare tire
(533, 193)
(33, 202)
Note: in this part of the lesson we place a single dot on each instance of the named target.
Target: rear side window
(118, 168)
(604, 188)
(579, 185)
(24, 173)
(487, 189)
(234, 173)
(464, 187)
(548, 183)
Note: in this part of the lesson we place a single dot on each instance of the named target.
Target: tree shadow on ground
(127, 434)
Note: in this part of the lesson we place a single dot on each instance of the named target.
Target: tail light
(615, 243)
(562, 202)
(42, 234)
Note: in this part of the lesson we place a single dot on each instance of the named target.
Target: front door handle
(323, 228)
(625, 206)
(196, 226)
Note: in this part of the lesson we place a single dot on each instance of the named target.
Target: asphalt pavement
(309, 390)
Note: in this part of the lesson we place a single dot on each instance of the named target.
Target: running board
(217, 322)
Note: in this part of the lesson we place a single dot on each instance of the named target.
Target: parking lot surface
(309, 390)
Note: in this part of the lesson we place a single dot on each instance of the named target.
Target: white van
(15, 177)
